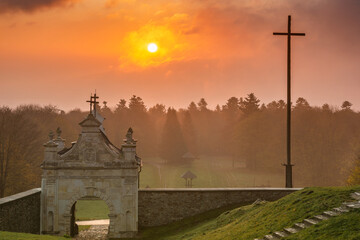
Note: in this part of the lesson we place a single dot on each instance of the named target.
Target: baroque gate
(93, 168)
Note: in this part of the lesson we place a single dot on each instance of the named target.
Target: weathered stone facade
(92, 167)
(21, 212)
(163, 206)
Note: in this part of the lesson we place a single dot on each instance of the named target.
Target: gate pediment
(91, 167)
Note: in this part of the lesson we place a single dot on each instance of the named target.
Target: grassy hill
(255, 221)
(27, 236)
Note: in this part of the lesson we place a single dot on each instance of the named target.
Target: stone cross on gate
(93, 101)
(288, 165)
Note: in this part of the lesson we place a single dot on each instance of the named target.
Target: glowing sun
(152, 47)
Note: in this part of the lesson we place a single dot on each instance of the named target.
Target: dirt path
(94, 222)
(95, 232)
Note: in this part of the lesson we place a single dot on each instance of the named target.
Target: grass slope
(27, 236)
(343, 227)
(251, 222)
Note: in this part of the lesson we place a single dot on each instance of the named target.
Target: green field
(91, 210)
(211, 172)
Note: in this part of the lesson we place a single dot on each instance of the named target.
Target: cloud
(31, 5)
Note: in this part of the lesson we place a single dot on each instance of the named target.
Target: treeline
(325, 140)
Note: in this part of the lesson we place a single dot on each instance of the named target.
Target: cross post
(93, 102)
(288, 165)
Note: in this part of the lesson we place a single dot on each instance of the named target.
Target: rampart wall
(163, 206)
(21, 212)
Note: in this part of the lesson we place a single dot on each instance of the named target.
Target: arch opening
(90, 214)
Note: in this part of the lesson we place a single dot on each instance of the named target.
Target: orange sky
(58, 51)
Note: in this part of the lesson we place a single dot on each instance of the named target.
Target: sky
(59, 51)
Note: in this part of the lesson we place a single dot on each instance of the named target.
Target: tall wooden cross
(288, 165)
(93, 102)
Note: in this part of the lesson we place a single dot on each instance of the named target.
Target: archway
(92, 205)
(91, 215)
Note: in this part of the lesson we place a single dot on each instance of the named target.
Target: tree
(231, 110)
(301, 103)
(354, 178)
(157, 116)
(281, 104)
(346, 105)
(326, 108)
(18, 135)
(231, 105)
(106, 111)
(137, 105)
(250, 105)
(158, 110)
(172, 144)
(189, 132)
(202, 104)
(192, 107)
(121, 106)
(272, 106)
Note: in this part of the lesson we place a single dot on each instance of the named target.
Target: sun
(152, 47)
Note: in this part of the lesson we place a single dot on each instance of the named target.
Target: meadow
(211, 172)
(91, 210)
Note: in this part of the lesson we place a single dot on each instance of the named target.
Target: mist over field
(240, 143)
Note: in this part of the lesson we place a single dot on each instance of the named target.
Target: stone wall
(21, 212)
(163, 206)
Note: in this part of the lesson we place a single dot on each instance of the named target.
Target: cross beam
(288, 165)
(93, 102)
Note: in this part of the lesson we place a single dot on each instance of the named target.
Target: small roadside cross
(288, 165)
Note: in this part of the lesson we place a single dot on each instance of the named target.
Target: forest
(325, 140)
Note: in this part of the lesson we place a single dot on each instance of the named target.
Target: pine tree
(172, 144)
(202, 104)
(250, 105)
(189, 133)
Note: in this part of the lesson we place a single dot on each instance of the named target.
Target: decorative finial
(129, 137)
(51, 135)
(58, 132)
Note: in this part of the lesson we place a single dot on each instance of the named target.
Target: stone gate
(93, 168)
